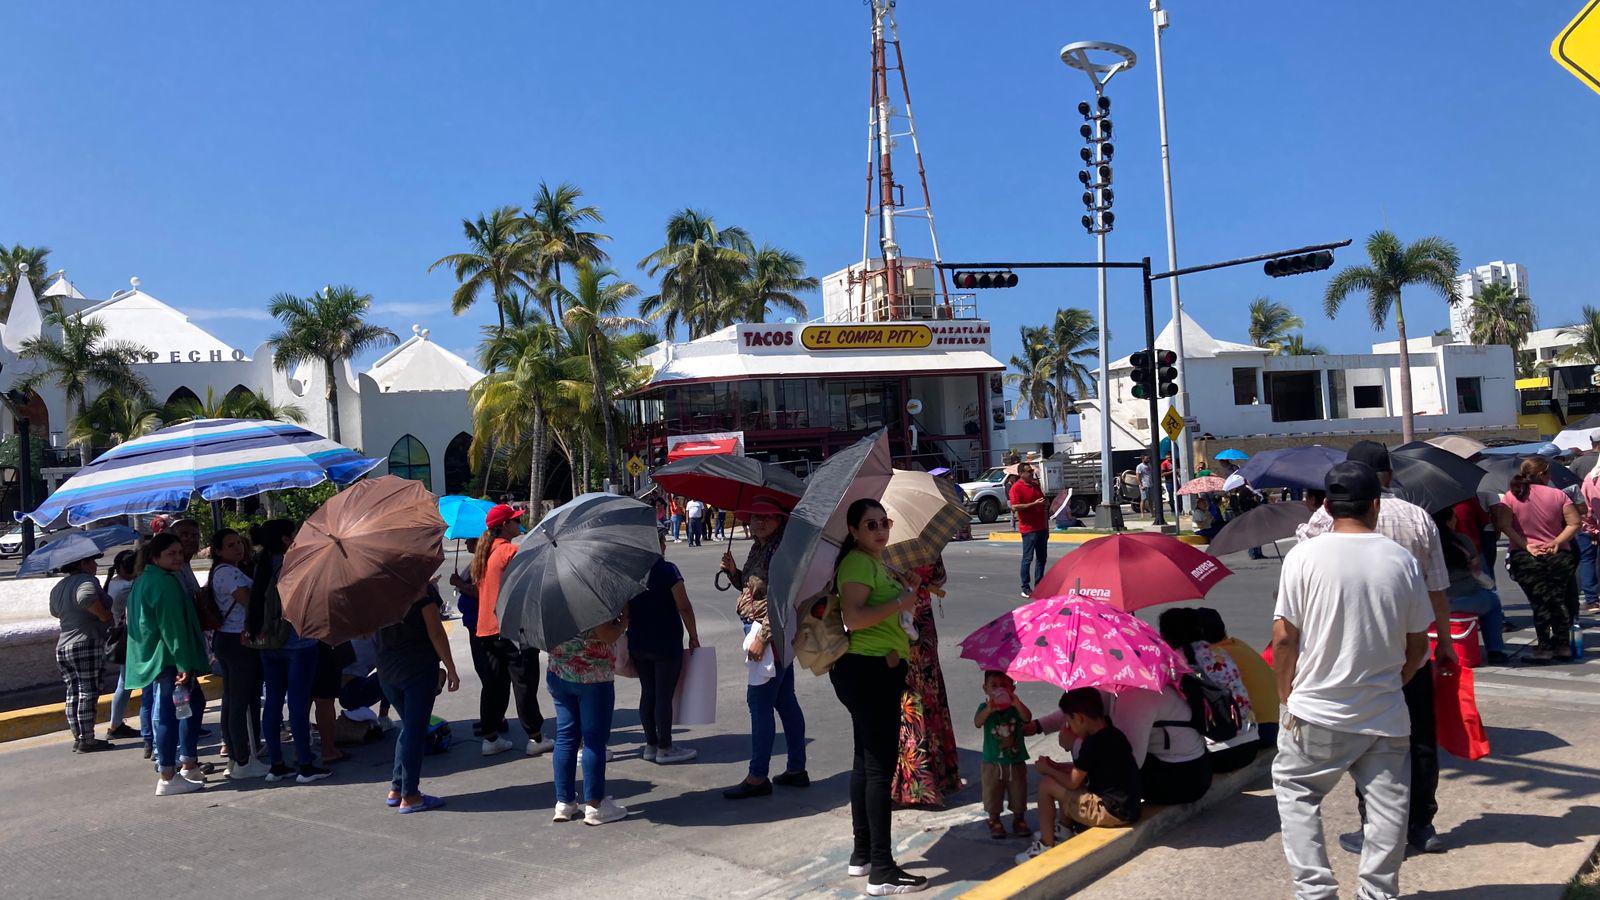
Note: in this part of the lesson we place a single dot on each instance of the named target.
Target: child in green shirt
(1005, 770)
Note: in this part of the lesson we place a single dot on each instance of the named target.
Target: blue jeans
(119, 700)
(717, 524)
(677, 526)
(581, 710)
(1485, 604)
(775, 695)
(696, 530)
(1588, 578)
(1034, 548)
(287, 674)
(175, 739)
(413, 700)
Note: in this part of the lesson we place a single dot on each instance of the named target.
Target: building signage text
(866, 337)
(194, 356)
(791, 337)
(963, 334)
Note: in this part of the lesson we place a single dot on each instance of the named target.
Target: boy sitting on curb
(1100, 787)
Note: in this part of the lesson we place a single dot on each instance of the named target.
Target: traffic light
(1166, 373)
(972, 280)
(1096, 173)
(1154, 377)
(1143, 375)
(1298, 265)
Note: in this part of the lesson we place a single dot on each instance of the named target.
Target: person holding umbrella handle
(869, 680)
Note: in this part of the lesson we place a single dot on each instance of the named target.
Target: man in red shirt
(1033, 521)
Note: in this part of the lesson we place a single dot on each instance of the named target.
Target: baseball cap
(499, 514)
(1372, 453)
(1353, 481)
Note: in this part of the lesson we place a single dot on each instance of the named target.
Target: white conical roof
(61, 287)
(1197, 343)
(421, 365)
(140, 318)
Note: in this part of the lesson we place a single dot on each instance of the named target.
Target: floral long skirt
(928, 770)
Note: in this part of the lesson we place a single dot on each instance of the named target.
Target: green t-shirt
(1002, 737)
(878, 640)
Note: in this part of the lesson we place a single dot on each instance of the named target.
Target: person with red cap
(511, 671)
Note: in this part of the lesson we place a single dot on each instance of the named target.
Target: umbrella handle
(721, 582)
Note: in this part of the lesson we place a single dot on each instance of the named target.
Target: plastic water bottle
(1577, 640)
(180, 702)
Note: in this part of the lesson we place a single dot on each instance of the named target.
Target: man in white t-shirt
(1350, 628)
(696, 512)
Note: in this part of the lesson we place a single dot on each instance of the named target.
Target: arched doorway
(408, 458)
(185, 398)
(458, 464)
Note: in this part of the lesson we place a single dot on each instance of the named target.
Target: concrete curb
(1075, 863)
(1079, 537)
(33, 721)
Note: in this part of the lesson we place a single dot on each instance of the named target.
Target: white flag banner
(24, 321)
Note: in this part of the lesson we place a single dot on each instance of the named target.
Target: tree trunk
(536, 476)
(332, 395)
(585, 450)
(604, 406)
(1407, 430)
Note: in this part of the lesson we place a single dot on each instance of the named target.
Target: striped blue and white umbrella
(221, 459)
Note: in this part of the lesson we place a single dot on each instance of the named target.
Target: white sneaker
(498, 745)
(196, 775)
(170, 787)
(1062, 833)
(539, 747)
(611, 755)
(649, 753)
(566, 812)
(607, 811)
(252, 769)
(675, 755)
(1034, 850)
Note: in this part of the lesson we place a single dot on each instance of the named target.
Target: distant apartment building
(1470, 282)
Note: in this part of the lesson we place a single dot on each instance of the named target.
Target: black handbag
(117, 642)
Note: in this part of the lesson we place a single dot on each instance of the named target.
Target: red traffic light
(975, 280)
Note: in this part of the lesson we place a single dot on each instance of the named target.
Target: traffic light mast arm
(1262, 257)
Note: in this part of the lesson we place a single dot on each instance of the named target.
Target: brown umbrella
(362, 560)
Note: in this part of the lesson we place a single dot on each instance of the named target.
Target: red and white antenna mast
(885, 198)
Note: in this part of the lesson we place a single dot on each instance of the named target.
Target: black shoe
(895, 881)
(1498, 658)
(1351, 842)
(1425, 842)
(793, 779)
(280, 772)
(859, 865)
(205, 732)
(745, 790)
(149, 750)
(121, 730)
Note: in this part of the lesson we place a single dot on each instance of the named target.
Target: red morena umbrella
(1132, 571)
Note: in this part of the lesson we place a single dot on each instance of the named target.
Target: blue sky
(227, 152)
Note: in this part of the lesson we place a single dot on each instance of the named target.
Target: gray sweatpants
(1311, 760)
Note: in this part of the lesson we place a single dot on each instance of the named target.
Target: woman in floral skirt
(928, 771)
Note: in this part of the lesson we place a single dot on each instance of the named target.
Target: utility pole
(1183, 465)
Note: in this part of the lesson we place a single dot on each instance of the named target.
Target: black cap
(1372, 453)
(1353, 481)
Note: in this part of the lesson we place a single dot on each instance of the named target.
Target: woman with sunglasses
(776, 694)
(870, 680)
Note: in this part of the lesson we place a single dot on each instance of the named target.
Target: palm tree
(1033, 371)
(1500, 314)
(329, 328)
(1271, 322)
(81, 361)
(771, 281)
(700, 267)
(1295, 345)
(115, 416)
(512, 406)
(594, 315)
(241, 404)
(553, 233)
(496, 259)
(1586, 333)
(1074, 340)
(11, 260)
(1430, 262)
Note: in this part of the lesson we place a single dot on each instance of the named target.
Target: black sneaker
(279, 772)
(149, 750)
(1351, 841)
(309, 774)
(895, 881)
(793, 779)
(121, 730)
(91, 746)
(745, 790)
(859, 865)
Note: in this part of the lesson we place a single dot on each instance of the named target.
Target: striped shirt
(1405, 523)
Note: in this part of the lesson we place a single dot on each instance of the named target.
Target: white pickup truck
(986, 497)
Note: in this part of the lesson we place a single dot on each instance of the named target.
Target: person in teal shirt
(1002, 716)
(166, 653)
(869, 680)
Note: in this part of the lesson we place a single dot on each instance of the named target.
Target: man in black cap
(1349, 631)
(1413, 528)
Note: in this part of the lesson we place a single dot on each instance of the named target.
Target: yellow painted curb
(33, 721)
(1080, 537)
(1030, 874)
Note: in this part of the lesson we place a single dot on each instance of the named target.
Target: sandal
(997, 830)
(428, 802)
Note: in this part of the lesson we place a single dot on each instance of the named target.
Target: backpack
(275, 629)
(206, 609)
(438, 739)
(1212, 709)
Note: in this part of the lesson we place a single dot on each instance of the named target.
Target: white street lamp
(1181, 471)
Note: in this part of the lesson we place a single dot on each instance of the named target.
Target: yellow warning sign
(1172, 422)
(635, 466)
(1577, 47)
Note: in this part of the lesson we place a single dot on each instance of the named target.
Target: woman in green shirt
(870, 680)
(166, 653)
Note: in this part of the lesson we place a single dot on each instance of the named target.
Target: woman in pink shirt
(1539, 522)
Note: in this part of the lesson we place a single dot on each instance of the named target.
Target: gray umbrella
(1266, 523)
(577, 569)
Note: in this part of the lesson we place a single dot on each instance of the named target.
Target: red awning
(703, 448)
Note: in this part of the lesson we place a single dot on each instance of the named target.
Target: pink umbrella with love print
(1072, 643)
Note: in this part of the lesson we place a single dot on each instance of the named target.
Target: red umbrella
(1132, 571)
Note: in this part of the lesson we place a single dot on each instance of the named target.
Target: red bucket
(1468, 640)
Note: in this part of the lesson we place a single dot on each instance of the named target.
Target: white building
(1238, 391)
(1469, 283)
(1546, 344)
(410, 407)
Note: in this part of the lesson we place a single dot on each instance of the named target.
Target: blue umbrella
(1230, 453)
(1291, 467)
(464, 517)
(74, 547)
(220, 459)
(1546, 449)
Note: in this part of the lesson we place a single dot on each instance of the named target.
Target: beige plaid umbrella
(927, 514)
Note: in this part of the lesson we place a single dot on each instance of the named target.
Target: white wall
(432, 417)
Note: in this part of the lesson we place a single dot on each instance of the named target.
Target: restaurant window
(409, 459)
(1367, 396)
(1469, 395)
(1244, 385)
(861, 405)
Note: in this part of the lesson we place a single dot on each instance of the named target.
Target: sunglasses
(875, 525)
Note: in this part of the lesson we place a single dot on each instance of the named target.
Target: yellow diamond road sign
(1172, 422)
(1577, 47)
(635, 466)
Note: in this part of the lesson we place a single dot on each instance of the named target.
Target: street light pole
(1182, 466)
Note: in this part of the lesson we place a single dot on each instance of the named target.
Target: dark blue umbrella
(75, 546)
(1291, 467)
